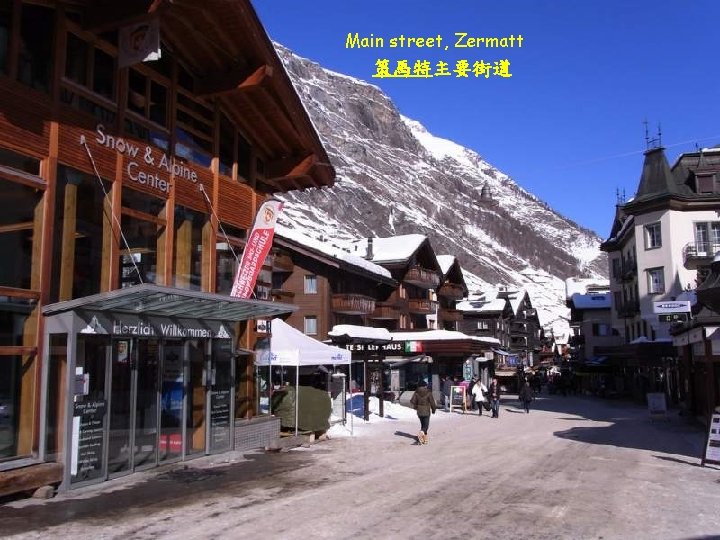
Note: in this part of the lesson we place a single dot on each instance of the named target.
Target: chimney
(369, 255)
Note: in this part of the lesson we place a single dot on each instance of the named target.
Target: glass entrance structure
(144, 385)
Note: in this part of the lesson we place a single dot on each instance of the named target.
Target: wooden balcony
(282, 295)
(385, 311)
(452, 315)
(422, 277)
(421, 307)
(353, 304)
(452, 291)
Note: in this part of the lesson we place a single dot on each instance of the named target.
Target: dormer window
(705, 183)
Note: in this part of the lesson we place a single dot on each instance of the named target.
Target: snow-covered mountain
(394, 177)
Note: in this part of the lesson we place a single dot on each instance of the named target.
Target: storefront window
(17, 385)
(171, 401)
(141, 260)
(19, 233)
(188, 248)
(37, 26)
(79, 231)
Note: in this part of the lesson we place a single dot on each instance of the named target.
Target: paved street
(574, 467)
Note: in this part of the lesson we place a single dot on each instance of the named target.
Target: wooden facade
(112, 176)
(328, 291)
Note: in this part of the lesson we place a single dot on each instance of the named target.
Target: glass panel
(143, 239)
(119, 441)
(104, 74)
(146, 403)
(80, 226)
(195, 433)
(227, 262)
(36, 46)
(188, 248)
(158, 103)
(76, 59)
(89, 410)
(10, 386)
(5, 24)
(227, 145)
(54, 414)
(20, 162)
(171, 400)
(17, 224)
(137, 92)
(220, 395)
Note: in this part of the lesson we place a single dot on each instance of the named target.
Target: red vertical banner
(257, 248)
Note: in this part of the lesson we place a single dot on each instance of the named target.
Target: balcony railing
(699, 254)
(281, 295)
(384, 311)
(422, 277)
(452, 315)
(353, 304)
(421, 306)
(452, 291)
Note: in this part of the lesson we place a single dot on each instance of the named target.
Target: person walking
(478, 391)
(424, 403)
(446, 388)
(526, 396)
(494, 393)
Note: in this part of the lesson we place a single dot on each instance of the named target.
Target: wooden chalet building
(329, 285)
(412, 263)
(451, 291)
(126, 190)
(485, 314)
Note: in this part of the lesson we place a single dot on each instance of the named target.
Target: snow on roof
(445, 262)
(330, 249)
(481, 306)
(439, 335)
(355, 331)
(516, 299)
(394, 248)
(582, 285)
(644, 339)
(591, 301)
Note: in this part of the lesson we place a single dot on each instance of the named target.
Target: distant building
(661, 244)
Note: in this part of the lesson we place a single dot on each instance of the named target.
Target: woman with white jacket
(478, 392)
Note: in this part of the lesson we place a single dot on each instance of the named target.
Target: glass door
(172, 397)
(220, 395)
(145, 444)
(195, 428)
(121, 411)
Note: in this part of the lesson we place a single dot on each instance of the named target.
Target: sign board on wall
(674, 306)
(712, 447)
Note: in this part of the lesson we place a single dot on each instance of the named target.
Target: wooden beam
(108, 16)
(292, 166)
(14, 292)
(241, 80)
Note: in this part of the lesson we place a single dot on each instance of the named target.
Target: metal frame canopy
(156, 300)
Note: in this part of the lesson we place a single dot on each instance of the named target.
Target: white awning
(290, 347)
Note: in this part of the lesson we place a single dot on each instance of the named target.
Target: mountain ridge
(394, 177)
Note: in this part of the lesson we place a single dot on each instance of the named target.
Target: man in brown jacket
(424, 403)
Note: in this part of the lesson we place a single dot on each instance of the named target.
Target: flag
(139, 43)
(257, 248)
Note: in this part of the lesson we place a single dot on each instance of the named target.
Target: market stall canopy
(290, 347)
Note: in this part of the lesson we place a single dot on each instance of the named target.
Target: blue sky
(568, 125)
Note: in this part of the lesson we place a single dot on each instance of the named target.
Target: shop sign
(120, 325)
(145, 165)
(678, 306)
(394, 347)
(672, 317)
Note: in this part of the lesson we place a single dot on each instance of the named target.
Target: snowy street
(575, 467)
